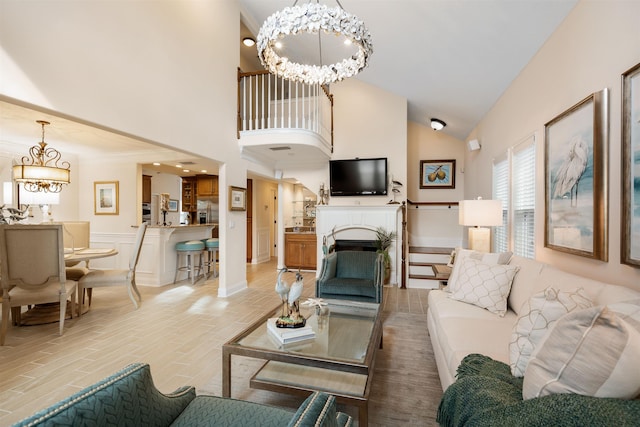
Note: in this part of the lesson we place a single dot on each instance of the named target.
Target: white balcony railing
(267, 102)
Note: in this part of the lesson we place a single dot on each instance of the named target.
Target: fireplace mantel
(359, 223)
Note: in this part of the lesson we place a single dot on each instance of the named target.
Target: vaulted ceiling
(451, 59)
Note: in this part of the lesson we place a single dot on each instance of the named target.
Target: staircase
(421, 261)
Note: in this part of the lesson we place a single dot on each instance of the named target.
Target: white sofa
(458, 328)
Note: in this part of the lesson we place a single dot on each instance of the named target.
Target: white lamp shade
(38, 198)
(480, 213)
(40, 173)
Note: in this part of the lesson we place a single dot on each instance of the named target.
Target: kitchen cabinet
(189, 199)
(146, 188)
(207, 185)
(300, 251)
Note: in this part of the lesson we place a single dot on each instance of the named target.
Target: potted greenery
(384, 239)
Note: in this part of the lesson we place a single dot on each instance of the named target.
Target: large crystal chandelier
(311, 18)
(42, 169)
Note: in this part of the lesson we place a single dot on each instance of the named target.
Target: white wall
(596, 43)
(164, 71)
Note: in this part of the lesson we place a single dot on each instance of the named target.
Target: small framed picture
(237, 199)
(105, 197)
(438, 173)
(173, 205)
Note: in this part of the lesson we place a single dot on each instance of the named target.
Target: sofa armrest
(329, 266)
(328, 270)
(126, 398)
(319, 410)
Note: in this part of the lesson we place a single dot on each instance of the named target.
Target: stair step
(427, 258)
(429, 250)
(421, 270)
(422, 277)
(421, 264)
(414, 283)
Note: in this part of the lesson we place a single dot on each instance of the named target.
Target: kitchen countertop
(300, 230)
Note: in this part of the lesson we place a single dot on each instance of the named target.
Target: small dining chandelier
(42, 169)
(311, 18)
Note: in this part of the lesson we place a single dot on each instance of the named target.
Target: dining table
(77, 255)
(41, 314)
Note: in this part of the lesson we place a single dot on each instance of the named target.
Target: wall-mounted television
(358, 177)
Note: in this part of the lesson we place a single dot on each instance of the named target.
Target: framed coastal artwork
(630, 238)
(105, 197)
(576, 190)
(438, 173)
(173, 205)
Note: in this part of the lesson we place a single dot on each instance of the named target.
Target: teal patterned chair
(129, 398)
(352, 275)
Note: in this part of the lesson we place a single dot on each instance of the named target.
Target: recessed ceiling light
(178, 165)
(186, 170)
(248, 41)
(203, 171)
(156, 164)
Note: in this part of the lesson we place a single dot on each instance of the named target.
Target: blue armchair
(129, 398)
(352, 275)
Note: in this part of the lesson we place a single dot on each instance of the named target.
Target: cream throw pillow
(537, 316)
(593, 352)
(485, 257)
(484, 285)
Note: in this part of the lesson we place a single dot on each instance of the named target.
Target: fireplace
(354, 228)
(355, 245)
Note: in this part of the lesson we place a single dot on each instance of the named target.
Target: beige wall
(435, 226)
(425, 143)
(597, 42)
(368, 122)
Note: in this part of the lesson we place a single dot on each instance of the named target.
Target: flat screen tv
(358, 177)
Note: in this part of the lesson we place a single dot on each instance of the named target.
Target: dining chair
(105, 278)
(76, 236)
(33, 270)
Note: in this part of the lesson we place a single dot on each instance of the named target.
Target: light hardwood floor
(179, 330)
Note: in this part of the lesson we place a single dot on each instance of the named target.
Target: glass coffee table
(339, 360)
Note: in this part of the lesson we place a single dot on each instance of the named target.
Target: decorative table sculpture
(290, 296)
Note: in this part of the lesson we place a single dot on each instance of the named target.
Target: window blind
(524, 199)
(501, 192)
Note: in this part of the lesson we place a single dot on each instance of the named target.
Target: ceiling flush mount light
(437, 124)
(248, 41)
(311, 18)
(42, 170)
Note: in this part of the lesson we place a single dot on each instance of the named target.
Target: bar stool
(189, 248)
(211, 245)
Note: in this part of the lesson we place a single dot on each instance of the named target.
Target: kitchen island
(157, 264)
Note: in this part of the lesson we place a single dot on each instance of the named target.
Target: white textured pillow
(537, 316)
(484, 285)
(486, 257)
(593, 352)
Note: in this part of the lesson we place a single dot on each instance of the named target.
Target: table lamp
(480, 214)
